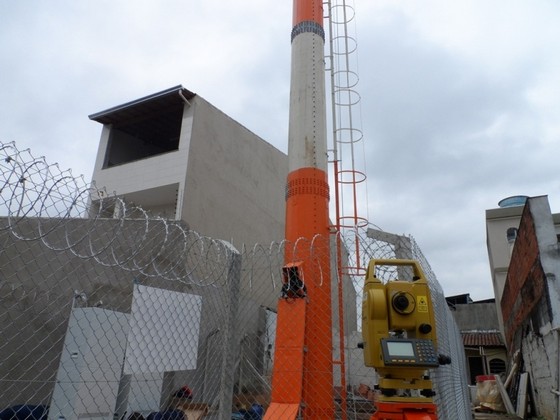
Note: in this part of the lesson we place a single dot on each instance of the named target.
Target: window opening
(144, 136)
(497, 366)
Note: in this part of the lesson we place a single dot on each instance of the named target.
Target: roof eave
(103, 116)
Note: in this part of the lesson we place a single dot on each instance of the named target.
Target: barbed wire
(45, 203)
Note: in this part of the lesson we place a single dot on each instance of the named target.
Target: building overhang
(169, 98)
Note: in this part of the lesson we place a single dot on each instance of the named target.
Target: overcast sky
(460, 99)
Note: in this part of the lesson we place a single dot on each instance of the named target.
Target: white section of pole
(307, 145)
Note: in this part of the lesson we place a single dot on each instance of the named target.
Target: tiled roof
(482, 338)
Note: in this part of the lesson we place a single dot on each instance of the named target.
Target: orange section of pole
(307, 197)
(307, 204)
(287, 381)
(308, 10)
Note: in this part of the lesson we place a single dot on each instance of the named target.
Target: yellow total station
(398, 328)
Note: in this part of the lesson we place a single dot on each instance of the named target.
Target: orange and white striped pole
(303, 369)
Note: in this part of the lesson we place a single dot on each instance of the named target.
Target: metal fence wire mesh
(135, 316)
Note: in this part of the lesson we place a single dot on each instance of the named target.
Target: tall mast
(303, 370)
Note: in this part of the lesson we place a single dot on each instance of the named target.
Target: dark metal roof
(465, 298)
(482, 338)
(139, 108)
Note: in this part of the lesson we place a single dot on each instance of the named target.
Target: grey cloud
(434, 166)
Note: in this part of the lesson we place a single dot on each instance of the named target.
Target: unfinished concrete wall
(235, 181)
(530, 303)
(38, 288)
(540, 355)
(476, 316)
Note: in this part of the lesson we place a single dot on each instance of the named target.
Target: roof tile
(483, 338)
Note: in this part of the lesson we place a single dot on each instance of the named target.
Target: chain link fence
(140, 317)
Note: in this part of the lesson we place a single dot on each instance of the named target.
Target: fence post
(230, 343)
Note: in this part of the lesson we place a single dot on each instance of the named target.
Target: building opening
(144, 128)
(144, 136)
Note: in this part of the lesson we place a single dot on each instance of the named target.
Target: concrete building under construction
(179, 157)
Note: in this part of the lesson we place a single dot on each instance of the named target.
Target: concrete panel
(235, 181)
(90, 365)
(476, 316)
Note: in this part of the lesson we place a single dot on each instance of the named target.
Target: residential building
(485, 350)
(179, 157)
(529, 294)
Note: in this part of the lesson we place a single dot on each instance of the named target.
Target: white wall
(498, 221)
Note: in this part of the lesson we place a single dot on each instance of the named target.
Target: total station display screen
(403, 348)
